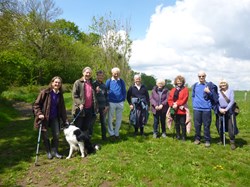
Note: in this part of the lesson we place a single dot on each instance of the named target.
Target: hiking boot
(207, 144)
(197, 142)
(233, 146)
(164, 135)
(154, 135)
(57, 155)
(49, 155)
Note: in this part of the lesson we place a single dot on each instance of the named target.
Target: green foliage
(16, 69)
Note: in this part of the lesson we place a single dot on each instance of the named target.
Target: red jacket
(181, 101)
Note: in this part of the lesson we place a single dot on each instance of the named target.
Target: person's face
(202, 77)
(137, 80)
(160, 85)
(223, 87)
(87, 74)
(115, 75)
(179, 82)
(100, 77)
(56, 84)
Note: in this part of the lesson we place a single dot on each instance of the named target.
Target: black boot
(55, 149)
(47, 148)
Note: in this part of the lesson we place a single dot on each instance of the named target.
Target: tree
(115, 41)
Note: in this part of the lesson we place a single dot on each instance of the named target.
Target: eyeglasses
(201, 76)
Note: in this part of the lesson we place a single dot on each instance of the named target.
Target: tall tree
(115, 41)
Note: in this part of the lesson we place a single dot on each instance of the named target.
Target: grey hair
(137, 76)
(85, 69)
(115, 70)
(160, 81)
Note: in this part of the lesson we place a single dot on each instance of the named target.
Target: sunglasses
(201, 76)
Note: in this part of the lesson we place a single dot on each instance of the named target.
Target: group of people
(107, 99)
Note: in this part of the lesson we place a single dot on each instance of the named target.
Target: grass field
(131, 161)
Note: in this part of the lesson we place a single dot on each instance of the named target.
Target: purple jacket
(155, 100)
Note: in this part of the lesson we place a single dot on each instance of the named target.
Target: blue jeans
(159, 117)
(205, 118)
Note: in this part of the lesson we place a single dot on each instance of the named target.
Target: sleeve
(231, 98)
(124, 93)
(152, 99)
(76, 94)
(129, 95)
(170, 97)
(38, 104)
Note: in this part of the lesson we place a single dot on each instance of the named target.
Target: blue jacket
(116, 90)
(205, 101)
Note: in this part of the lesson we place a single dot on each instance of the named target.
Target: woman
(159, 106)
(138, 100)
(49, 109)
(226, 114)
(177, 100)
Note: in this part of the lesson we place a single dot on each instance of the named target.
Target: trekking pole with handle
(224, 129)
(38, 142)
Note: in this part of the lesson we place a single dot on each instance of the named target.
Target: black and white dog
(78, 140)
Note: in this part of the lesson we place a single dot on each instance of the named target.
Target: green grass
(132, 161)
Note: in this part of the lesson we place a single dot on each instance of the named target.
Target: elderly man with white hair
(204, 99)
(117, 95)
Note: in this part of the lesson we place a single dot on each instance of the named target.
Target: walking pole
(38, 142)
(224, 133)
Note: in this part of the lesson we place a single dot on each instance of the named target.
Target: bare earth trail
(47, 172)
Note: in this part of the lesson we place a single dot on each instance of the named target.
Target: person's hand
(156, 107)
(175, 106)
(131, 107)
(223, 111)
(97, 89)
(206, 89)
(81, 106)
(105, 109)
(41, 116)
(160, 107)
(181, 107)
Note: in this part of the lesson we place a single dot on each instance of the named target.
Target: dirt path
(24, 108)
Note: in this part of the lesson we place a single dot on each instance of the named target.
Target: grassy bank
(131, 161)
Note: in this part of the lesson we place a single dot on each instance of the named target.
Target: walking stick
(224, 133)
(38, 142)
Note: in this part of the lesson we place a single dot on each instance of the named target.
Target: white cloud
(196, 35)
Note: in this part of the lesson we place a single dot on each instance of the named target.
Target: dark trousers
(205, 118)
(159, 117)
(229, 126)
(85, 123)
(102, 121)
(180, 125)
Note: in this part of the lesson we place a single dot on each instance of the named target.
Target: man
(84, 101)
(102, 100)
(204, 98)
(116, 95)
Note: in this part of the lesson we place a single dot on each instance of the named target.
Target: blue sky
(181, 37)
(138, 12)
